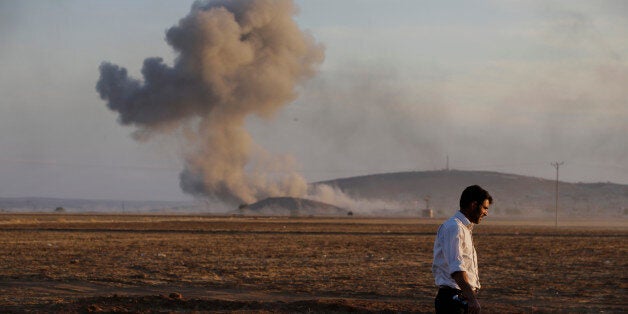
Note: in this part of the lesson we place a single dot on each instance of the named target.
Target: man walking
(455, 266)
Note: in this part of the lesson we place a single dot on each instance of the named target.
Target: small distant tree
(350, 213)
(59, 210)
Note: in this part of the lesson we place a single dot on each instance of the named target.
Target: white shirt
(454, 251)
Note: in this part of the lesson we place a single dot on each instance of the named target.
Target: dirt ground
(159, 263)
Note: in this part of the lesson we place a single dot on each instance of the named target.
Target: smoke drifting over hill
(235, 59)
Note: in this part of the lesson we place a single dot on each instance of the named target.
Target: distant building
(427, 212)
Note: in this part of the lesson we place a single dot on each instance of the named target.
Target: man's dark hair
(474, 193)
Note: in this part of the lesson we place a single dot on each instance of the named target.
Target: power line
(557, 166)
(55, 163)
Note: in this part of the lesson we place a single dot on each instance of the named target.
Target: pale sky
(497, 85)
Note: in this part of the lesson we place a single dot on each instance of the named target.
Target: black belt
(448, 289)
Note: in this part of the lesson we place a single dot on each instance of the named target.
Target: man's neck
(465, 213)
(470, 225)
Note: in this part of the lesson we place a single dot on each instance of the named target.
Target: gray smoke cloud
(235, 59)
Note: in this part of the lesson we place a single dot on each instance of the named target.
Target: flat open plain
(173, 263)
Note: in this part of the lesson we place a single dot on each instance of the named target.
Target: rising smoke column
(235, 58)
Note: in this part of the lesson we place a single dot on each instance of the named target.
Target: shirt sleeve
(452, 249)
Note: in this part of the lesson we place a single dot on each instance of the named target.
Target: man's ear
(473, 205)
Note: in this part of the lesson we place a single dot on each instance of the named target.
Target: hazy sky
(499, 85)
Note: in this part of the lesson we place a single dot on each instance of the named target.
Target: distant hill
(398, 194)
(292, 206)
(513, 194)
(47, 204)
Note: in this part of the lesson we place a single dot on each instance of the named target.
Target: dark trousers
(450, 300)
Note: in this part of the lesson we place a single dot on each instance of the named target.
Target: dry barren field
(141, 263)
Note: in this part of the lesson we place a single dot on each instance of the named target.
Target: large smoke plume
(235, 58)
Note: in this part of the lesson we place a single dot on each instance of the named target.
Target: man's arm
(463, 282)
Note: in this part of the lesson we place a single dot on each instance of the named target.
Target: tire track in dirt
(271, 232)
(88, 296)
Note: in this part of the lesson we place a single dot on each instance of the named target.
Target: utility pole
(557, 166)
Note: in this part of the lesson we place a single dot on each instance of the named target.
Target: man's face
(479, 211)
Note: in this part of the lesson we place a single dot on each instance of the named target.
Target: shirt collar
(465, 221)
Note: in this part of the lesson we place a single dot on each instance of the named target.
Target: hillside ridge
(513, 193)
